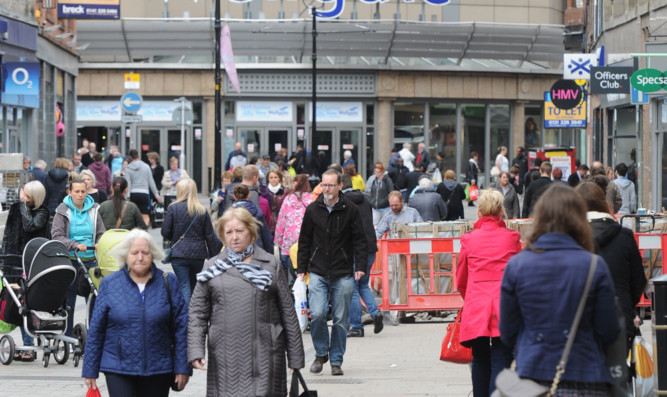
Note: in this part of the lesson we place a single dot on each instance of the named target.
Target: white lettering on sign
(79, 10)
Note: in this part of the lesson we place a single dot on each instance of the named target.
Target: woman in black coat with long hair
(27, 219)
(617, 245)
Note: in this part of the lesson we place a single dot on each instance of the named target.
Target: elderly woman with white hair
(99, 196)
(28, 218)
(347, 159)
(139, 315)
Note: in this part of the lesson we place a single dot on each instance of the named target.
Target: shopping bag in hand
(301, 302)
(294, 390)
(643, 360)
(473, 192)
(93, 392)
(452, 350)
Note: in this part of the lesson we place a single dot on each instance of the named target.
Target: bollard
(659, 326)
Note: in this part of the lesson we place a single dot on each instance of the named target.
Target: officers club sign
(611, 80)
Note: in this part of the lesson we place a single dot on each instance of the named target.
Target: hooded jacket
(265, 241)
(56, 184)
(379, 191)
(73, 226)
(617, 246)
(429, 204)
(23, 224)
(329, 241)
(452, 195)
(140, 178)
(102, 176)
(628, 195)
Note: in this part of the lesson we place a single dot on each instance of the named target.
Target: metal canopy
(258, 41)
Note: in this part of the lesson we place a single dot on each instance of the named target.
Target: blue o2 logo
(20, 76)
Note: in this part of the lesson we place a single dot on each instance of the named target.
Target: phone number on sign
(102, 11)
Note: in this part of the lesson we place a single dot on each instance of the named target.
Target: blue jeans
(363, 291)
(27, 339)
(340, 290)
(489, 357)
(71, 296)
(186, 271)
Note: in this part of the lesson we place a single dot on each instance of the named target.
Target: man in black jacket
(332, 235)
(536, 188)
(361, 287)
(532, 174)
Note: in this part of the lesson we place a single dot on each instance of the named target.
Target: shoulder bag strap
(165, 276)
(186, 231)
(560, 369)
(122, 215)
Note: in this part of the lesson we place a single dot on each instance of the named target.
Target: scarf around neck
(259, 277)
(274, 189)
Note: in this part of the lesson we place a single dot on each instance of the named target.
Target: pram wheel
(60, 351)
(6, 350)
(81, 333)
(45, 359)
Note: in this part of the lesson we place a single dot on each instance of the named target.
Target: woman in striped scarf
(243, 305)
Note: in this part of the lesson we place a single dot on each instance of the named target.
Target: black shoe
(316, 367)
(378, 323)
(355, 333)
(336, 370)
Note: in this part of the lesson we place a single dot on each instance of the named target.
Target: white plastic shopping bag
(301, 302)
(642, 355)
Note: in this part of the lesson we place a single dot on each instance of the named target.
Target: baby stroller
(92, 278)
(38, 303)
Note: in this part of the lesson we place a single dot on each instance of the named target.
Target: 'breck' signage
(611, 80)
(337, 6)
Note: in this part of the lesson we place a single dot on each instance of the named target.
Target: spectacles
(327, 186)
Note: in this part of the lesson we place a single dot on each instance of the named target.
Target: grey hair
(425, 183)
(91, 175)
(347, 153)
(407, 145)
(40, 164)
(120, 251)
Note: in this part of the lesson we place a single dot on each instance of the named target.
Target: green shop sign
(648, 80)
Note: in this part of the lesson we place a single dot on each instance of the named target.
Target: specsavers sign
(560, 118)
(648, 80)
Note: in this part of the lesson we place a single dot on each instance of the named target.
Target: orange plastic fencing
(651, 249)
(417, 274)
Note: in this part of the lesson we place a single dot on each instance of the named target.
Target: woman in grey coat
(244, 306)
(511, 201)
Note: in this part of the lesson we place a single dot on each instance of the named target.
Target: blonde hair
(61, 162)
(186, 190)
(120, 251)
(173, 160)
(449, 174)
(242, 215)
(35, 190)
(490, 203)
(154, 156)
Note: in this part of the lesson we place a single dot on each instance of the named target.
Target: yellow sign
(132, 81)
(561, 118)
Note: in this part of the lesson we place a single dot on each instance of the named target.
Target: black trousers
(138, 386)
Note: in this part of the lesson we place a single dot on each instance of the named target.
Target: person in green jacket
(118, 208)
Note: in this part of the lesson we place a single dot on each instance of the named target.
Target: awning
(364, 43)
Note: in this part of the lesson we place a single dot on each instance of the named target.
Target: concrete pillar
(209, 139)
(385, 131)
(518, 117)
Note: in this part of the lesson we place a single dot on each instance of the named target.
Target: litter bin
(659, 307)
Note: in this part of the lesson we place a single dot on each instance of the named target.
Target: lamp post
(313, 130)
(217, 171)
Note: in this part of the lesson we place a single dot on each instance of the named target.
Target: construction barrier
(418, 274)
(651, 247)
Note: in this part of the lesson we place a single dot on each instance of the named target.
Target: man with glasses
(332, 235)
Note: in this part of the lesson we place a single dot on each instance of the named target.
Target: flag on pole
(227, 55)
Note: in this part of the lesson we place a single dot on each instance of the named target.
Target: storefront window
(472, 130)
(443, 135)
(500, 130)
(625, 137)
(408, 124)
(532, 126)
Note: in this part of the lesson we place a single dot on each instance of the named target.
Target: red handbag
(452, 350)
(473, 192)
(93, 392)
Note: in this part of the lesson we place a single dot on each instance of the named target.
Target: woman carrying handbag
(541, 290)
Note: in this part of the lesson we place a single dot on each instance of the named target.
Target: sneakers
(336, 370)
(316, 367)
(378, 320)
(355, 333)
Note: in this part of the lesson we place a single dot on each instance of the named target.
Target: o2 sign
(338, 6)
(20, 83)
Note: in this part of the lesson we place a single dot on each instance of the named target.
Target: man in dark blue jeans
(361, 287)
(332, 235)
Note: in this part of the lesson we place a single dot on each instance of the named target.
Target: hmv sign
(335, 8)
(566, 94)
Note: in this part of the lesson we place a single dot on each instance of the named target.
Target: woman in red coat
(484, 254)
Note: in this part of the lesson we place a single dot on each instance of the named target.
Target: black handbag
(508, 382)
(294, 390)
(167, 256)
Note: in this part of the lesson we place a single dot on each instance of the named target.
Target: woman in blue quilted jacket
(139, 315)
